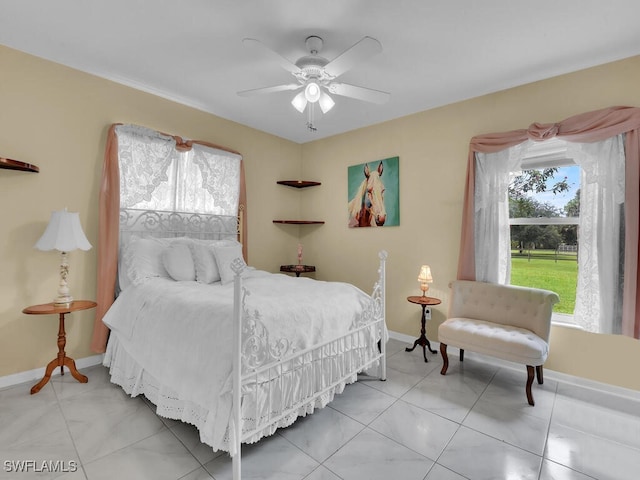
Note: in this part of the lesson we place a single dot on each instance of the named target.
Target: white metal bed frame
(256, 356)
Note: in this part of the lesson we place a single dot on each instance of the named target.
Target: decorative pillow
(205, 263)
(143, 259)
(225, 254)
(177, 260)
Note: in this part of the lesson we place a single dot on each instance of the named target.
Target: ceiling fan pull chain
(310, 117)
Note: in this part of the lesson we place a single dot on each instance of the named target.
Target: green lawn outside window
(548, 270)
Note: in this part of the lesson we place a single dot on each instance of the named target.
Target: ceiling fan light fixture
(312, 92)
(326, 102)
(299, 102)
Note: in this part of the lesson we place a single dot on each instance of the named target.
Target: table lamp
(425, 278)
(64, 233)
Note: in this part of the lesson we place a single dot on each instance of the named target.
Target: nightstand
(423, 341)
(298, 269)
(61, 360)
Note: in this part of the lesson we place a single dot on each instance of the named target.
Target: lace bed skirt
(214, 423)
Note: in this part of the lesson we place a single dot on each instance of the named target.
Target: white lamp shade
(64, 233)
(312, 92)
(326, 102)
(425, 274)
(299, 102)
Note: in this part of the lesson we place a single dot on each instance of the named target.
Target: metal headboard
(166, 224)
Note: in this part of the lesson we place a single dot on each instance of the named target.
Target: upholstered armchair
(504, 321)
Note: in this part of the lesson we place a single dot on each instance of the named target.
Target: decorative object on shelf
(299, 254)
(9, 164)
(63, 233)
(372, 202)
(425, 278)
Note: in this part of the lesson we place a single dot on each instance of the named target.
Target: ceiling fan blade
(365, 48)
(277, 88)
(360, 93)
(283, 62)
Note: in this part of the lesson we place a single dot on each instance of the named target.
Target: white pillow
(225, 254)
(205, 263)
(177, 260)
(207, 270)
(143, 259)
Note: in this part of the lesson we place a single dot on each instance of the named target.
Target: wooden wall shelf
(298, 183)
(299, 222)
(9, 164)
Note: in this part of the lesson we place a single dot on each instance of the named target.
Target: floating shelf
(298, 183)
(9, 164)
(300, 222)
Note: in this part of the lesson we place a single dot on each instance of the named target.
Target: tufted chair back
(523, 307)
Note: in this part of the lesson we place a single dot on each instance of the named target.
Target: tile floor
(473, 423)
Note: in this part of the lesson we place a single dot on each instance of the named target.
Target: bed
(242, 352)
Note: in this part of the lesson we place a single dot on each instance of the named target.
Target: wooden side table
(61, 360)
(297, 269)
(423, 341)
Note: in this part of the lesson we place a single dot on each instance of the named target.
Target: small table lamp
(64, 233)
(425, 278)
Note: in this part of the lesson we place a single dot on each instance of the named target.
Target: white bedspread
(180, 333)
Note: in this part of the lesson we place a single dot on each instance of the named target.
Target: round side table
(297, 269)
(61, 360)
(423, 341)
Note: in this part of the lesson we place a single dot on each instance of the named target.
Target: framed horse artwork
(374, 195)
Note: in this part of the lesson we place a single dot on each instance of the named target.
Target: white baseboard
(37, 373)
(402, 337)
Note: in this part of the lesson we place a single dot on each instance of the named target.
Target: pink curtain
(108, 229)
(586, 127)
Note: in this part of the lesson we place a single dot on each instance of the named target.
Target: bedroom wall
(57, 118)
(432, 146)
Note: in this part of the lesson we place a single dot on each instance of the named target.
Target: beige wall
(432, 147)
(57, 118)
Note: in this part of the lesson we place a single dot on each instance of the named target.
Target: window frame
(548, 154)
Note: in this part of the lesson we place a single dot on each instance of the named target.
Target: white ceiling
(434, 52)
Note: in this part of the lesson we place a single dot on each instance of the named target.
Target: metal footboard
(273, 385)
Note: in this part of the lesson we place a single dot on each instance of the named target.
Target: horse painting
(367, 209)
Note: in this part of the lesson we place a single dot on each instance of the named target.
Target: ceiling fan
(316, 75)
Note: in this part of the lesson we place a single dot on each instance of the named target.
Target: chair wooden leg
(539, 374)
(445, 358)
(530, 375)
(461, 354)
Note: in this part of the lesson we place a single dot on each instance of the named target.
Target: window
(544, 209)
(600, 224)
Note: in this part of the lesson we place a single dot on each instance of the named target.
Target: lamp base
(64, 301)
(64, 297)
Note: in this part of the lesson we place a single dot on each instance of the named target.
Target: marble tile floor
(473, 423)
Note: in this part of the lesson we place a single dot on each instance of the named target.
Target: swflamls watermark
(39, 466)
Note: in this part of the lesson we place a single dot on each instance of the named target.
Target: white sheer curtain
(157, 176)
(492, 237)
(601, 229)
(601, 234)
